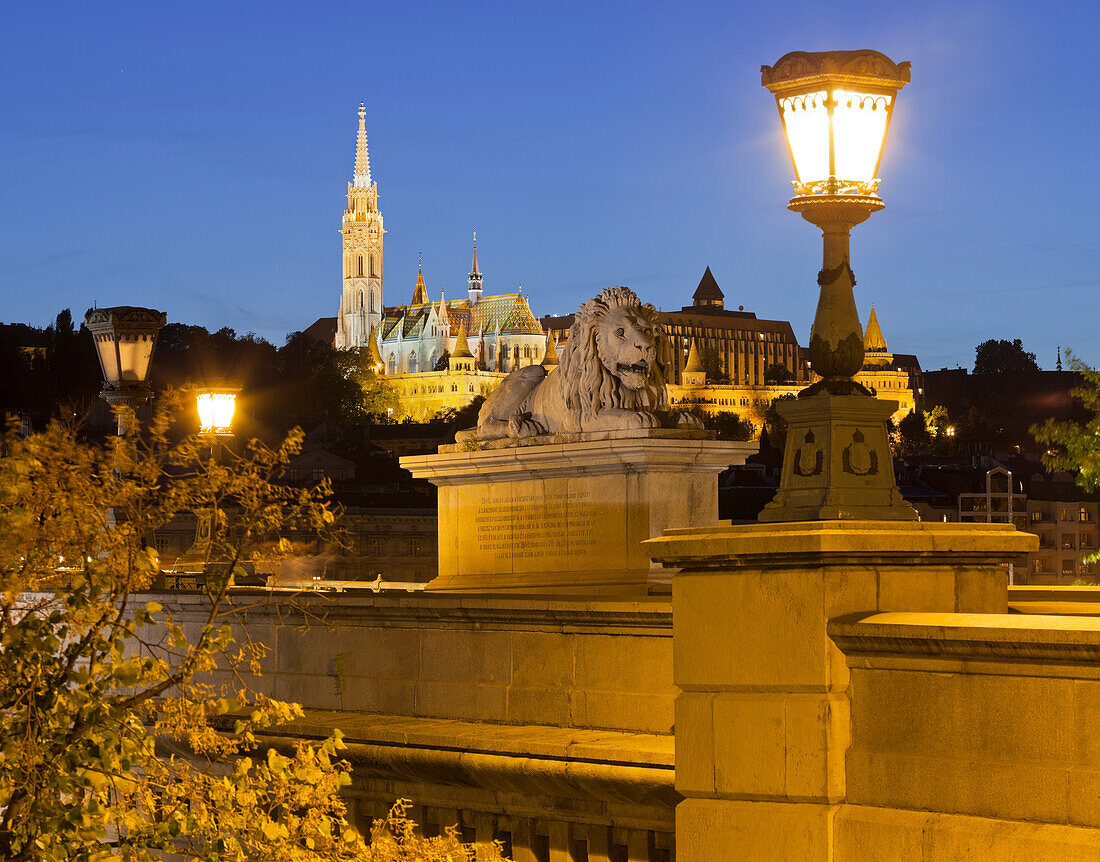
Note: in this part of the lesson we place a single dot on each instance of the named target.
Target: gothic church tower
(361, 299)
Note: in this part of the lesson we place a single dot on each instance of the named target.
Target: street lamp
(835, 107)
(125, 337)
(216, 405)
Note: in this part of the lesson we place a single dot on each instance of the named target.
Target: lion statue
(612, 377)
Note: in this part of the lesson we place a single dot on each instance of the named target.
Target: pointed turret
(694, 363)
(474, 283)
(873, 340)
(362, 178)
(444, 317)
(693, 374)
(461, 358)
(550, 358)
(420, 291)
(462, 346)
(374, 358)
(708, 294)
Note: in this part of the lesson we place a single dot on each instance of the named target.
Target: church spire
(473, 287)
(362, 157)
(420, 291)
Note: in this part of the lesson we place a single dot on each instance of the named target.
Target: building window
(1067, 542)
(1067, 567)
(413, 547)
(360, 266)
(1086, 515)
(1067, 514)
(374, 547)
(373, 269)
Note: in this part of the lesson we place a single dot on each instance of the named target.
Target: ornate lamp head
(125, 337)
(835, 107)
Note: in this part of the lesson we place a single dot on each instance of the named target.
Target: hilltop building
(731, 361)
(412, 342)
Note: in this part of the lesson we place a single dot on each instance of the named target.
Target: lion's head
(617, 355)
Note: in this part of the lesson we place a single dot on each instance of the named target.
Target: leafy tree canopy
(1000, 356)
(777, 372)
(1075, 446)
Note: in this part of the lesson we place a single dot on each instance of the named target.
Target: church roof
(708, 288)
(873, 339)
(506, 312)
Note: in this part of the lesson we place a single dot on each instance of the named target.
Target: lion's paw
(689, 420)
(524, 426)
(645, 420)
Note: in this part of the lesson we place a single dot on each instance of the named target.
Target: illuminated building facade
(413, 340)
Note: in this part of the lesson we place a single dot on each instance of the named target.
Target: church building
(413, 339)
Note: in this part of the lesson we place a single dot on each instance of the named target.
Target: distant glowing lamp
(950, 431)
(125, 337)
(216, 405)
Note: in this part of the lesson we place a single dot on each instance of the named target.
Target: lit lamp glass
(216, 407)
(836, 108)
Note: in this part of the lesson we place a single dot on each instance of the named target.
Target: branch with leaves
(123, 735)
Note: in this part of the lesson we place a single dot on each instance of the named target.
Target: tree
(913, 434)
(91, 677)
(379, 400)
(1075, 446)
(777, 372)
(444, 361)
(775, 425)
(712, 366)
(727, 425)
(1003, 357)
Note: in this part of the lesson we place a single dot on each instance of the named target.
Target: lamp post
(835, 107)
(125, 337)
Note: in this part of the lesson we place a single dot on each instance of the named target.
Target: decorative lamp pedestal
(567, 513)
(837, 462)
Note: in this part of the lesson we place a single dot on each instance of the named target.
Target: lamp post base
(837, 463)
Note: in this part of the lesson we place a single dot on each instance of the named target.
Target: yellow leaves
(274, 831)
(154, 607)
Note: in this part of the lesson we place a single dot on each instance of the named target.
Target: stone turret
(693, 373)
(874, 343)
(550, 357)
(462, 359)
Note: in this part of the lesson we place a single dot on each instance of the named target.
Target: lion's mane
(587, 385)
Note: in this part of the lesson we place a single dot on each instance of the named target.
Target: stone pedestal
(763, 718)
(837, 462)
(569, 513)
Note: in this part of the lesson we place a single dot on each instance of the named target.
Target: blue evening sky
(193, 157)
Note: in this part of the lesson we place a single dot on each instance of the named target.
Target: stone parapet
(977, 714)
(570, 517)
(764, 718)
